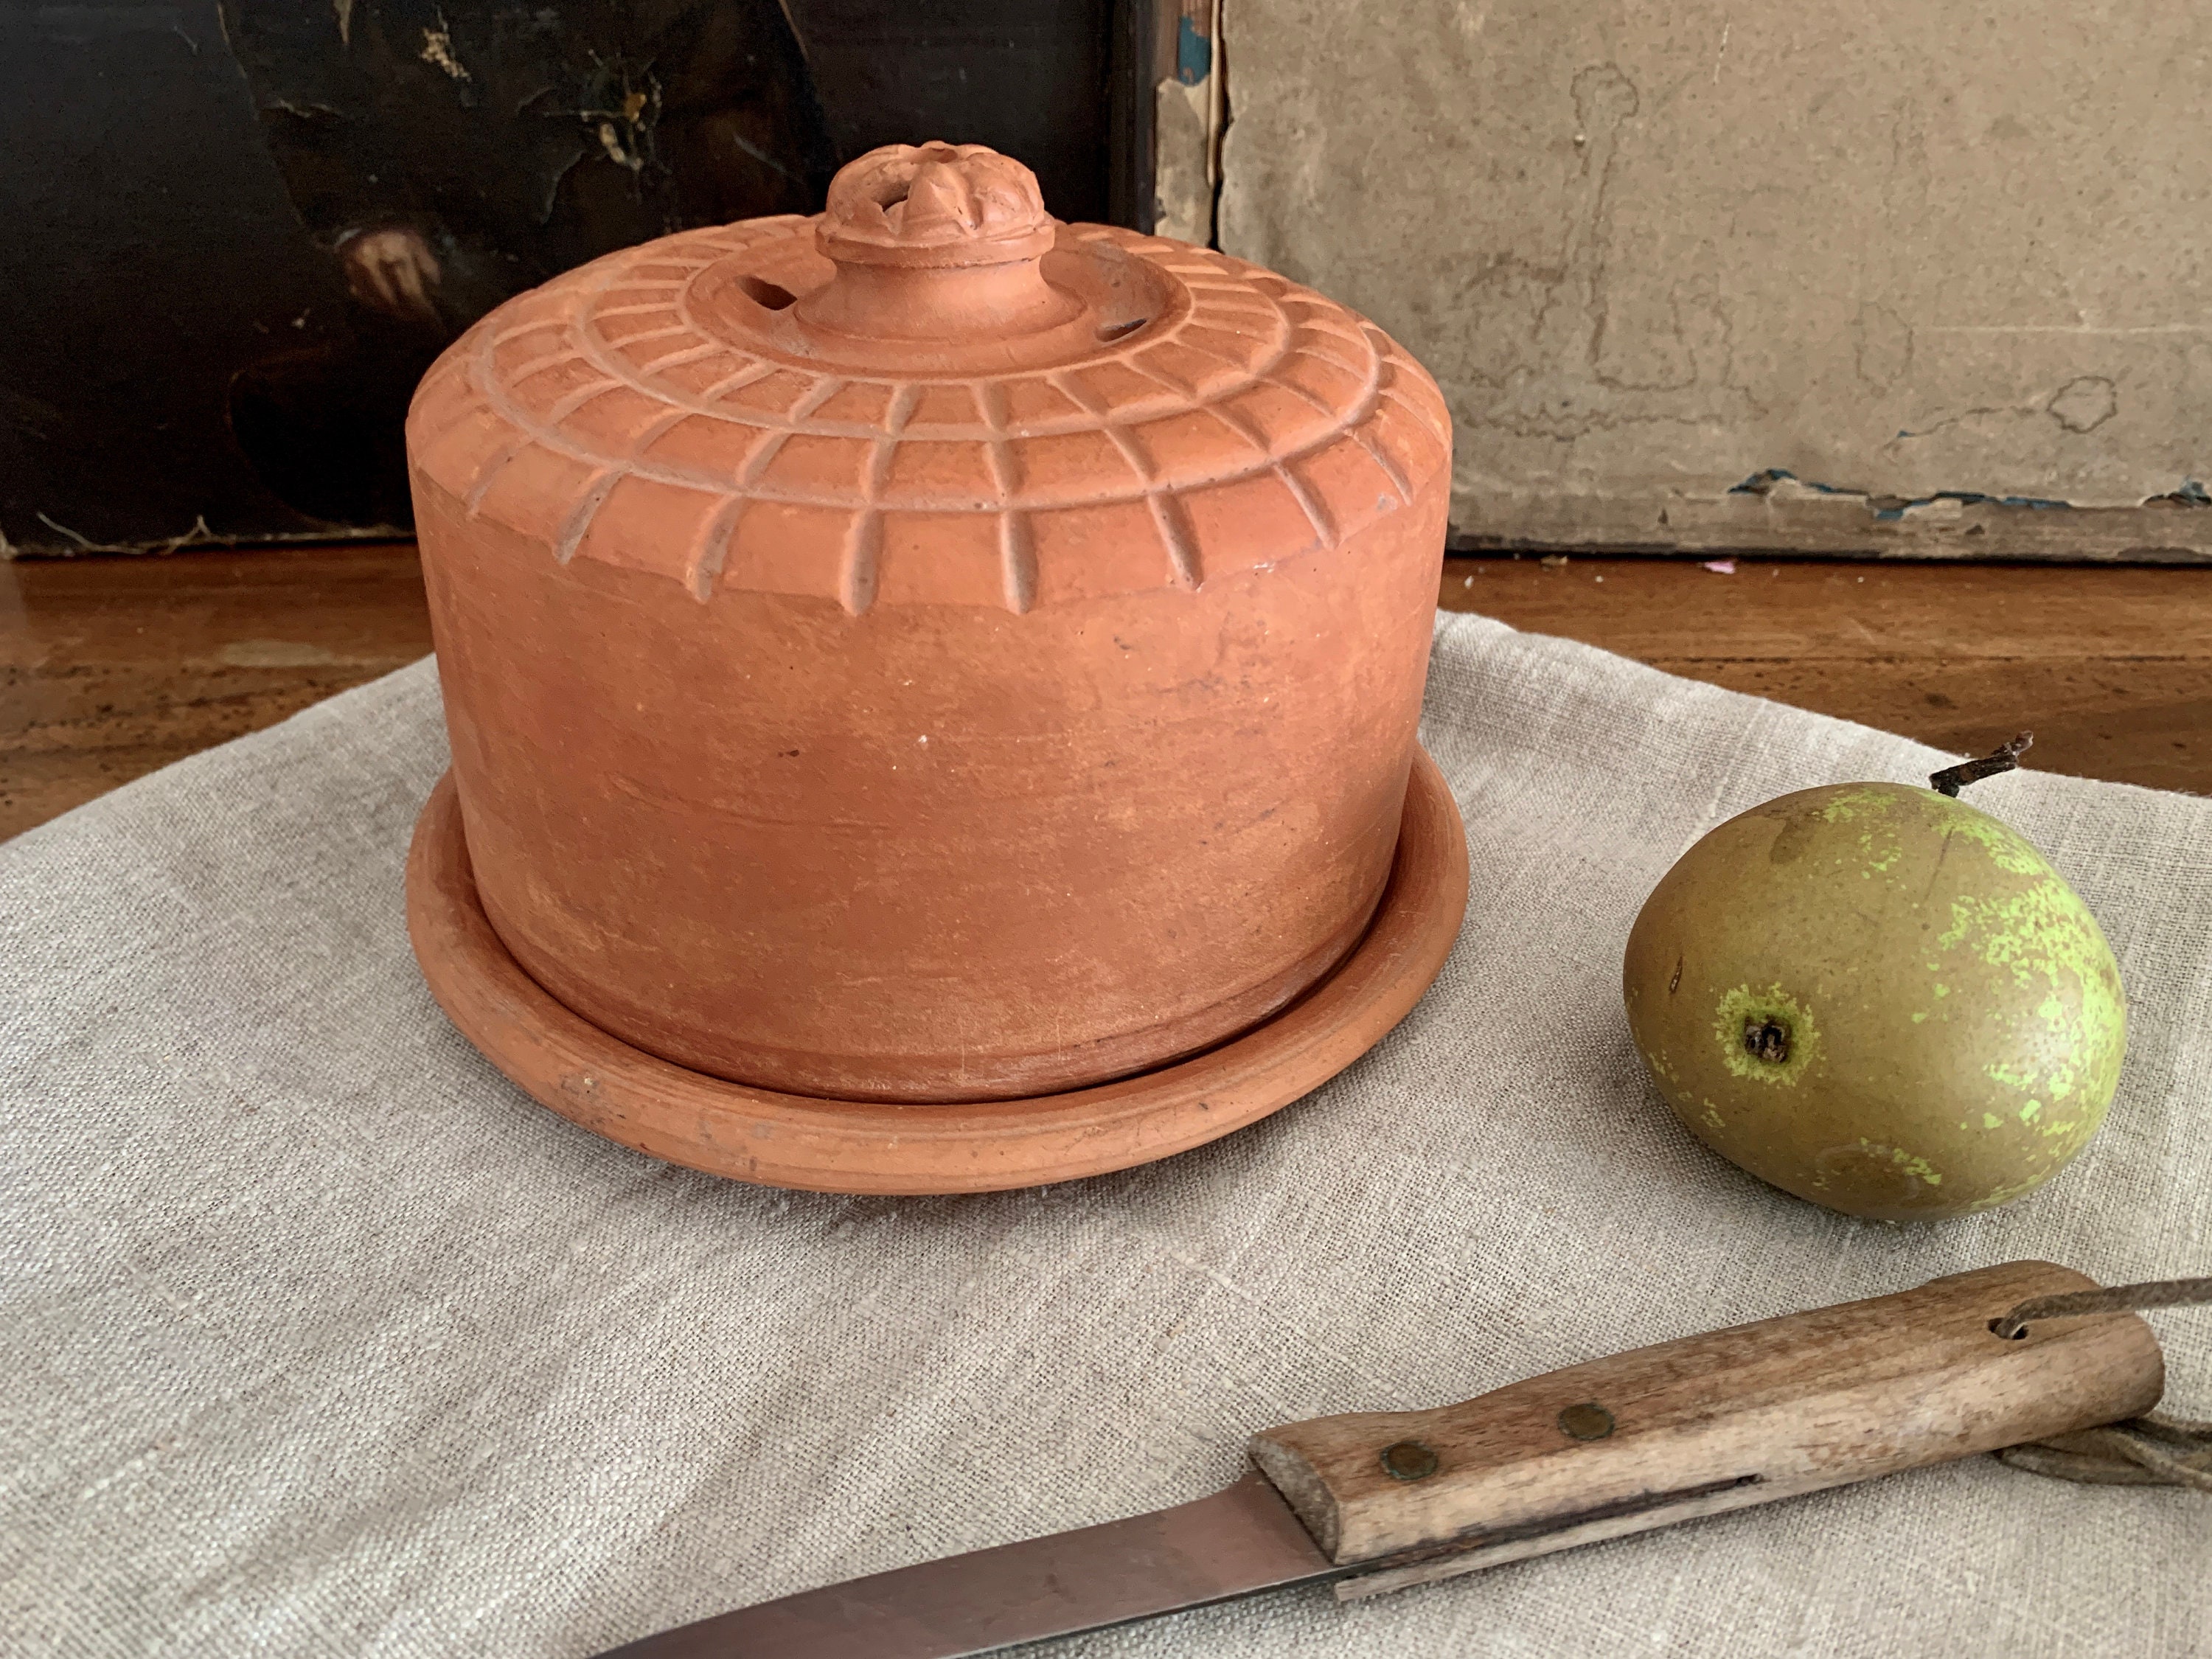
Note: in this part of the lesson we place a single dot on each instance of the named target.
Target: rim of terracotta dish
(756, 1135)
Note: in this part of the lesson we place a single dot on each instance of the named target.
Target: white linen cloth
(319, 1338)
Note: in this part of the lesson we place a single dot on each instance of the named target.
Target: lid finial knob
(935, 204)
(936, 242)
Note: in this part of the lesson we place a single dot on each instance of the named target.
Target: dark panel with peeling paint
(151, 251)
(239, 232)
(449, 154)
(240, 229)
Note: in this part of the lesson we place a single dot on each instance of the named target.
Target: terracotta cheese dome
(924, 653)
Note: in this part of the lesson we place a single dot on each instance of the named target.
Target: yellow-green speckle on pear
(1880, 999)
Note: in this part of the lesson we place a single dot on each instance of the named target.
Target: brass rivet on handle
(1408, 1459)
(1588, 1421)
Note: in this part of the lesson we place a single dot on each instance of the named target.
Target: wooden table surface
(110, 667)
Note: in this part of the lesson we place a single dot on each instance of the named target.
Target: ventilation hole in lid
(1108, 331)
(766, 295)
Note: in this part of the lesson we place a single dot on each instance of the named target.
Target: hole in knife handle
(1998, 1326)
(1481, 1538)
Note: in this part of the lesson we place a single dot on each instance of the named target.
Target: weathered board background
(1910, 276)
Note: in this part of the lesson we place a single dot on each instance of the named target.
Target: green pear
(1879, 999)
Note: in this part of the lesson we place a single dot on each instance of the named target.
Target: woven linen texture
(318, 1337)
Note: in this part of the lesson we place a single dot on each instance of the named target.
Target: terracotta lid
(931, 393)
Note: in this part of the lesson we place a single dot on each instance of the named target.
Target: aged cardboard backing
(1911, 278)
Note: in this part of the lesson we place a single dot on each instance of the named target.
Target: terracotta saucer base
(775, 1139)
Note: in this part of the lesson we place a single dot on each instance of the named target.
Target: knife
(1380, 1500)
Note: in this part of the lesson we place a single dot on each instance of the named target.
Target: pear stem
(2003, 758)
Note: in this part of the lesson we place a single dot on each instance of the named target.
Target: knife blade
(1378, 1501)
(1238, 1542)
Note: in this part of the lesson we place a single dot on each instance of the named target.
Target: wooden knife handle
(1711, 1422)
